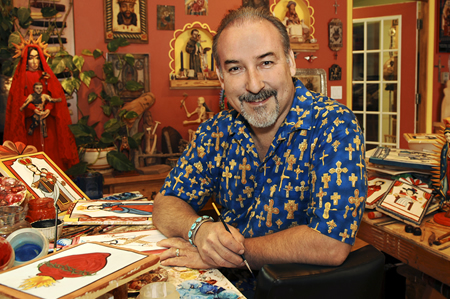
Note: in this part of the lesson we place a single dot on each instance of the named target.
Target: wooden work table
(411, 250)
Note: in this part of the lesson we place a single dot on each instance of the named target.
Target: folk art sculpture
(38, 114)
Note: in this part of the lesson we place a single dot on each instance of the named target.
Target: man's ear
(219, 76)
(292, 64)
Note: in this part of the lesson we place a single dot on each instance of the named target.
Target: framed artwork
(111, 212)
(165, 19)
(377, 187)
(444, 26)
(256, 3)
(313, 79)
(82, 269)
(196, 7)
(43, 178)
(335, 72)
(139, 73)
(126, 19)
(405, 202)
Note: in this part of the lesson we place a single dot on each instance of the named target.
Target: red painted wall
(409, 62)
(89, 34)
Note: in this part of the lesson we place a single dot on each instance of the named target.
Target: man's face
(33, 60)
(194, 34)
(38, 89)
(256, 72)
(127, 9)
(292, 8)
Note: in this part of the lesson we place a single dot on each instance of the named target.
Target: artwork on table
(135, 195)
(138, 73)
(313, 79)
(256, 3)
(405, 202)
(76, 271)
(95, 212)
(165, 19)
(126, 19)
(138, 240)
(396, 157)
(335, 72)
(43, 178)
(196, 7)
(377, 187)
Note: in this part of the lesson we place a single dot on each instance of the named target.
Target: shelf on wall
(304, 47)
(194, 84)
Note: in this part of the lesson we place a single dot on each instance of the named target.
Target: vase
(96, 159)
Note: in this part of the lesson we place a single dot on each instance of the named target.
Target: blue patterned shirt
(313, 174)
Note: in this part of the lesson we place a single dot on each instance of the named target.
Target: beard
(260, 116)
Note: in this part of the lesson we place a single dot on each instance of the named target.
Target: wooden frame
(313, 79)
(136, 32)
(139, 73)
(26, 168)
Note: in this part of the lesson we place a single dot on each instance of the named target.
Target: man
(194, 53)
(287, 165)
(127, 16)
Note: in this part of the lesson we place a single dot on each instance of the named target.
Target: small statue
(440, 178)
(202, 111)
(194, 53)
(38, 99)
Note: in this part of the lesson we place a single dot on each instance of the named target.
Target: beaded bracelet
(195, 226)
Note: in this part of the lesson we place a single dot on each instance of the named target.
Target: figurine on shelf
(37, 100)
(291, 15)
(294, 26)
(202, 111)
(59, 144)
(194, 53)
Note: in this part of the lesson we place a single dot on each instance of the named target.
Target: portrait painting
(196, 7)
(377, 187)
(165, 17)
(256, 3)
(405, 202)
(43, 178)
(126, 19)
(313, 79)
(444, 26)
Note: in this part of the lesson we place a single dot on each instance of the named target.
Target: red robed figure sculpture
(58, 143)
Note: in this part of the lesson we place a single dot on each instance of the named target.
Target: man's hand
(218, 247)
(188, 255)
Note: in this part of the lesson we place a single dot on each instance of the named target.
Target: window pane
(373, 66)
(372, 127)
(373, 35)
(358, 97)
(358, 36)
(389, 128)
(390, 69)
(358, 67)
(373, 95)
(390, 34)
(390, 97)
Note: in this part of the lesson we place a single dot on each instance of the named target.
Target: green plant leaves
(48, 12)
(115, 101)
(91, 97)
(78, 61)
(23, 15)
(77, 169)
(114, 45)
(129, 58)
(71, 84)
(133, 85)
(97, 53)
(119, 161)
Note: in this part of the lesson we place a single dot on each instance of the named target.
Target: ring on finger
(177, 252)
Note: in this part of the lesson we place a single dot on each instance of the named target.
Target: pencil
(228, 230)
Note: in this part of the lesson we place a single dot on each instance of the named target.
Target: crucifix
(439, 66)
(335, 6)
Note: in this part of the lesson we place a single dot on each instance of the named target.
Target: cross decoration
(335, 6)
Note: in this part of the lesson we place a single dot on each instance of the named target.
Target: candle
(181, 60)
(212, 62)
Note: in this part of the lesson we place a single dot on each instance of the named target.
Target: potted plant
(115, 129)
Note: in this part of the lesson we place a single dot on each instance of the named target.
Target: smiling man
(286, 164)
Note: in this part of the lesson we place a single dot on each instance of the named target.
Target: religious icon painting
(257, 3)
(196, 7)
(43, 178)
(335, 72)
(111, 212)
(165, 17)
(406, 202)
(377, 187)
(76, 271)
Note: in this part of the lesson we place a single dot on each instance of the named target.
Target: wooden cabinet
(148, 184)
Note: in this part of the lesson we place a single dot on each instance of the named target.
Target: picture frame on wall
(138, 73)
(124, 19)
(444, 26)
(165, 17)
(256, 3)
(313, 79)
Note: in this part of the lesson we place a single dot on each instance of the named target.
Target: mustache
(262, 95)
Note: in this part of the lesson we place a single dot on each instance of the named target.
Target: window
(376, 79)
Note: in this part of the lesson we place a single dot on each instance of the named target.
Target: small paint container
(28, 244)
(6, 255)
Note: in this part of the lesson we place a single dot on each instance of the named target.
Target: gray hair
(247, 13)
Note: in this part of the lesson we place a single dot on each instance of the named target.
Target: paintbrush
(228, 230)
